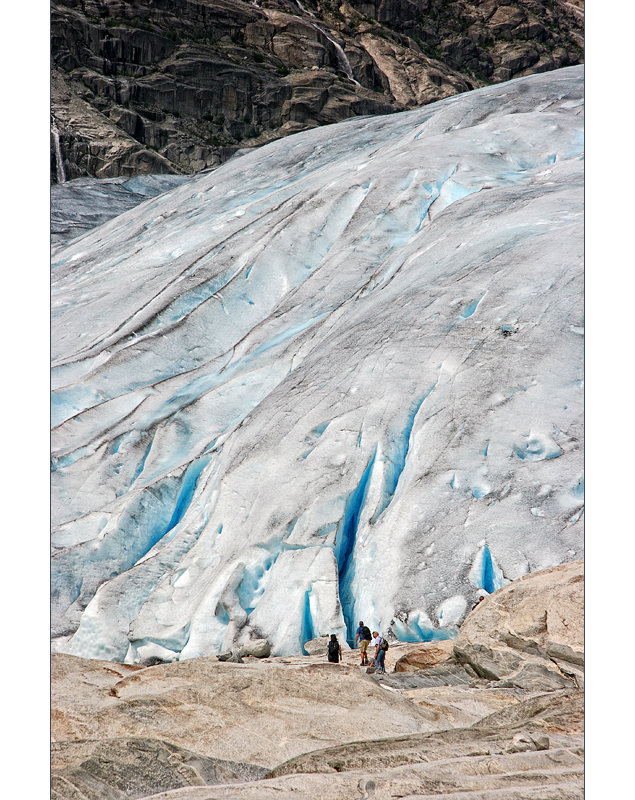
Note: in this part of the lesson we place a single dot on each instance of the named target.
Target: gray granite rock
(114, 769)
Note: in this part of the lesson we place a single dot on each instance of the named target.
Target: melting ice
(338, 378)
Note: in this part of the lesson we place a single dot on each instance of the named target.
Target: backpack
(334, 648)
(366, 632)
(383, 645)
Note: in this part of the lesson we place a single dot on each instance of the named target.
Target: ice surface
(80, 205)
(338, 378)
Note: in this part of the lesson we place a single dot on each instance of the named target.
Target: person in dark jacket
(362, 635)
(334, 651)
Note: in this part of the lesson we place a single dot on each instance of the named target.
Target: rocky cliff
(177, 86)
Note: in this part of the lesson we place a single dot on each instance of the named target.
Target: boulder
(523, 742)
(529, 633)
(224, 656)
(426, 655)
(316, 647)
(258, 648)
(235, 658)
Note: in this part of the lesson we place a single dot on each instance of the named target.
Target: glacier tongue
(338, 378)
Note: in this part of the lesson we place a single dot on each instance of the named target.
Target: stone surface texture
(120, 739)
(141, 87)
(426, 655)
(528, 633)
(299, 727)
(135, 767)
(257, 712)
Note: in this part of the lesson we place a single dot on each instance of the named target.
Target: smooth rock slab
(462, 706)
(560, 713)
(129, 768)
(256, 712)
(197, 708)
(523, 776)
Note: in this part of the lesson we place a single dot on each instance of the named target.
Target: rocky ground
(176, 86)
(497, 713)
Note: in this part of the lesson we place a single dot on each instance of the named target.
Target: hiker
(481, 597)
(381, 645)
(334, 651)
(363, 636)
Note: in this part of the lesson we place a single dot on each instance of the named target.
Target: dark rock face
(176, 86)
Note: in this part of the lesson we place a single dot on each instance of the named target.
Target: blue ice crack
(345, 545)
(307, 633)
(398, 455)
(470, 308)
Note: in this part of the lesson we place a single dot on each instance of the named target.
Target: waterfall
(302, 8)
(59, 164)
(341, 55)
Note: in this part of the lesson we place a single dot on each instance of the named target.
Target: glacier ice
(79, 205)
(337, 378)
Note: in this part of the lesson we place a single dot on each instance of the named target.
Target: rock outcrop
(531, 632)
(174, 87)
(201, 730)
(259, 712)
(136, 767)
(299, 727)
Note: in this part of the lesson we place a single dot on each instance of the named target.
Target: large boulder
(316, 647)
(319, 645)
(426, 655)
(531, 632)
(258, 648)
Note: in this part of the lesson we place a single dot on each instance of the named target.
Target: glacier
(337, 378)
(79, 205)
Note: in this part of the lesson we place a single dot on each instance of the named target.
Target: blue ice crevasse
(396, 454)
(345, 545)
(307, 623)
(485, 572)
